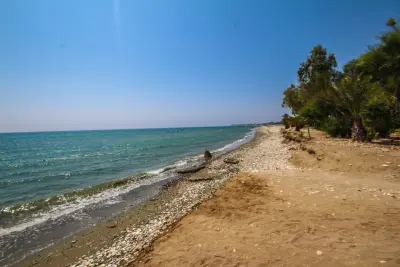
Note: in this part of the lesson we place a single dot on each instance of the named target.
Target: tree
(360, 101)
(352, 95)
(293, 98)
(318, 70)
(382, 62)
(315, 74)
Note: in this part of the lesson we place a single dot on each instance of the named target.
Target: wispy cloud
(117, 19)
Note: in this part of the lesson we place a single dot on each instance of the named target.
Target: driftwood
(231, 161)
(192, 169)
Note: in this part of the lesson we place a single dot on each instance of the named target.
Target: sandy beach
(320, 202)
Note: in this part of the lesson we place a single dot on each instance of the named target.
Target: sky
(114, 64)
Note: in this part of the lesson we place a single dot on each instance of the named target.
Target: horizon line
(145, 128)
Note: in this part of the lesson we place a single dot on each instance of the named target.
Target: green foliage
(391, 22)
(315, 112)
(318, 64)
(337, 127)
(378, 117)
(285, 120)
(394, 107)
(361, 101)
(293, 98)
(382, 62)
(297, 121)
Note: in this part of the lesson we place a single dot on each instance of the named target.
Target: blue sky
(106, 64)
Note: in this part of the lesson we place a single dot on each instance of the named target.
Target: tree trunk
(358, 132)
(308, 130)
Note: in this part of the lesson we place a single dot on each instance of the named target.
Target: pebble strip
(268, 154)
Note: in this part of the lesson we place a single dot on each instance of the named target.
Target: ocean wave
(106, 197)
(155, 172)
(66, 202)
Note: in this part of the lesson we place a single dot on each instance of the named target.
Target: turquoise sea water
(38, 171)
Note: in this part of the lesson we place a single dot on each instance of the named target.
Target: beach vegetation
(359, 100)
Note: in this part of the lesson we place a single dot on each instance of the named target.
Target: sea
(53, 184)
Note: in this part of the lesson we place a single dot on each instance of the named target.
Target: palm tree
(352, 95)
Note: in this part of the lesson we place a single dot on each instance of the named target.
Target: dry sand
(340, 208)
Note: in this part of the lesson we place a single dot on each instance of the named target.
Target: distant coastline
(257, 124)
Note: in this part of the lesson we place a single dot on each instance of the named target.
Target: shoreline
(167, 203)
(49, 203)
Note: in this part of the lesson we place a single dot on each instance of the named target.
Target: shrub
(337, 127)
(378, 119)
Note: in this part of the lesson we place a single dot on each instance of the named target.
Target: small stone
(207, 155)
(319, 252)
(382, 261)
(385, 165)
(73, 241)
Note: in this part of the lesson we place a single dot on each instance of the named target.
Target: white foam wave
(109, 196)
(235, 144)
(156, 172)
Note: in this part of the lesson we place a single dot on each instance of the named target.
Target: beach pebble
(319, 252)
